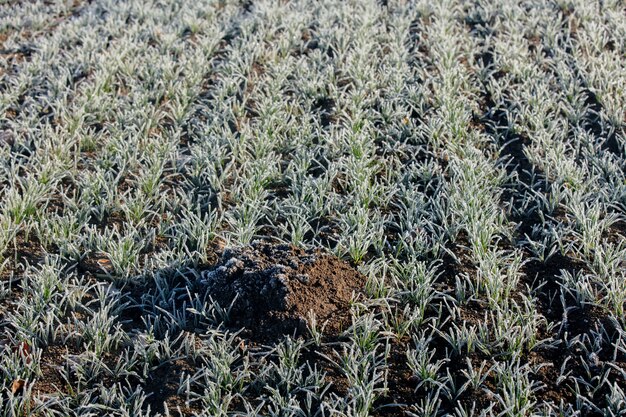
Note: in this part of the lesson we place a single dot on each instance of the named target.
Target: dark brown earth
(162, 386)
(273, 289)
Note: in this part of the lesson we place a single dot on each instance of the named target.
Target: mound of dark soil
(273, 287)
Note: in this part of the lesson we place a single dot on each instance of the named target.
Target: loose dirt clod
(275, 286)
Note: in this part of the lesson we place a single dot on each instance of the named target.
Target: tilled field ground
(312, 208)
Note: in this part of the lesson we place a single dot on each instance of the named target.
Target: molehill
(273, 289)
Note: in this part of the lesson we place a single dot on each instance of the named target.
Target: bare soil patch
(162, 387)
(273, 288)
